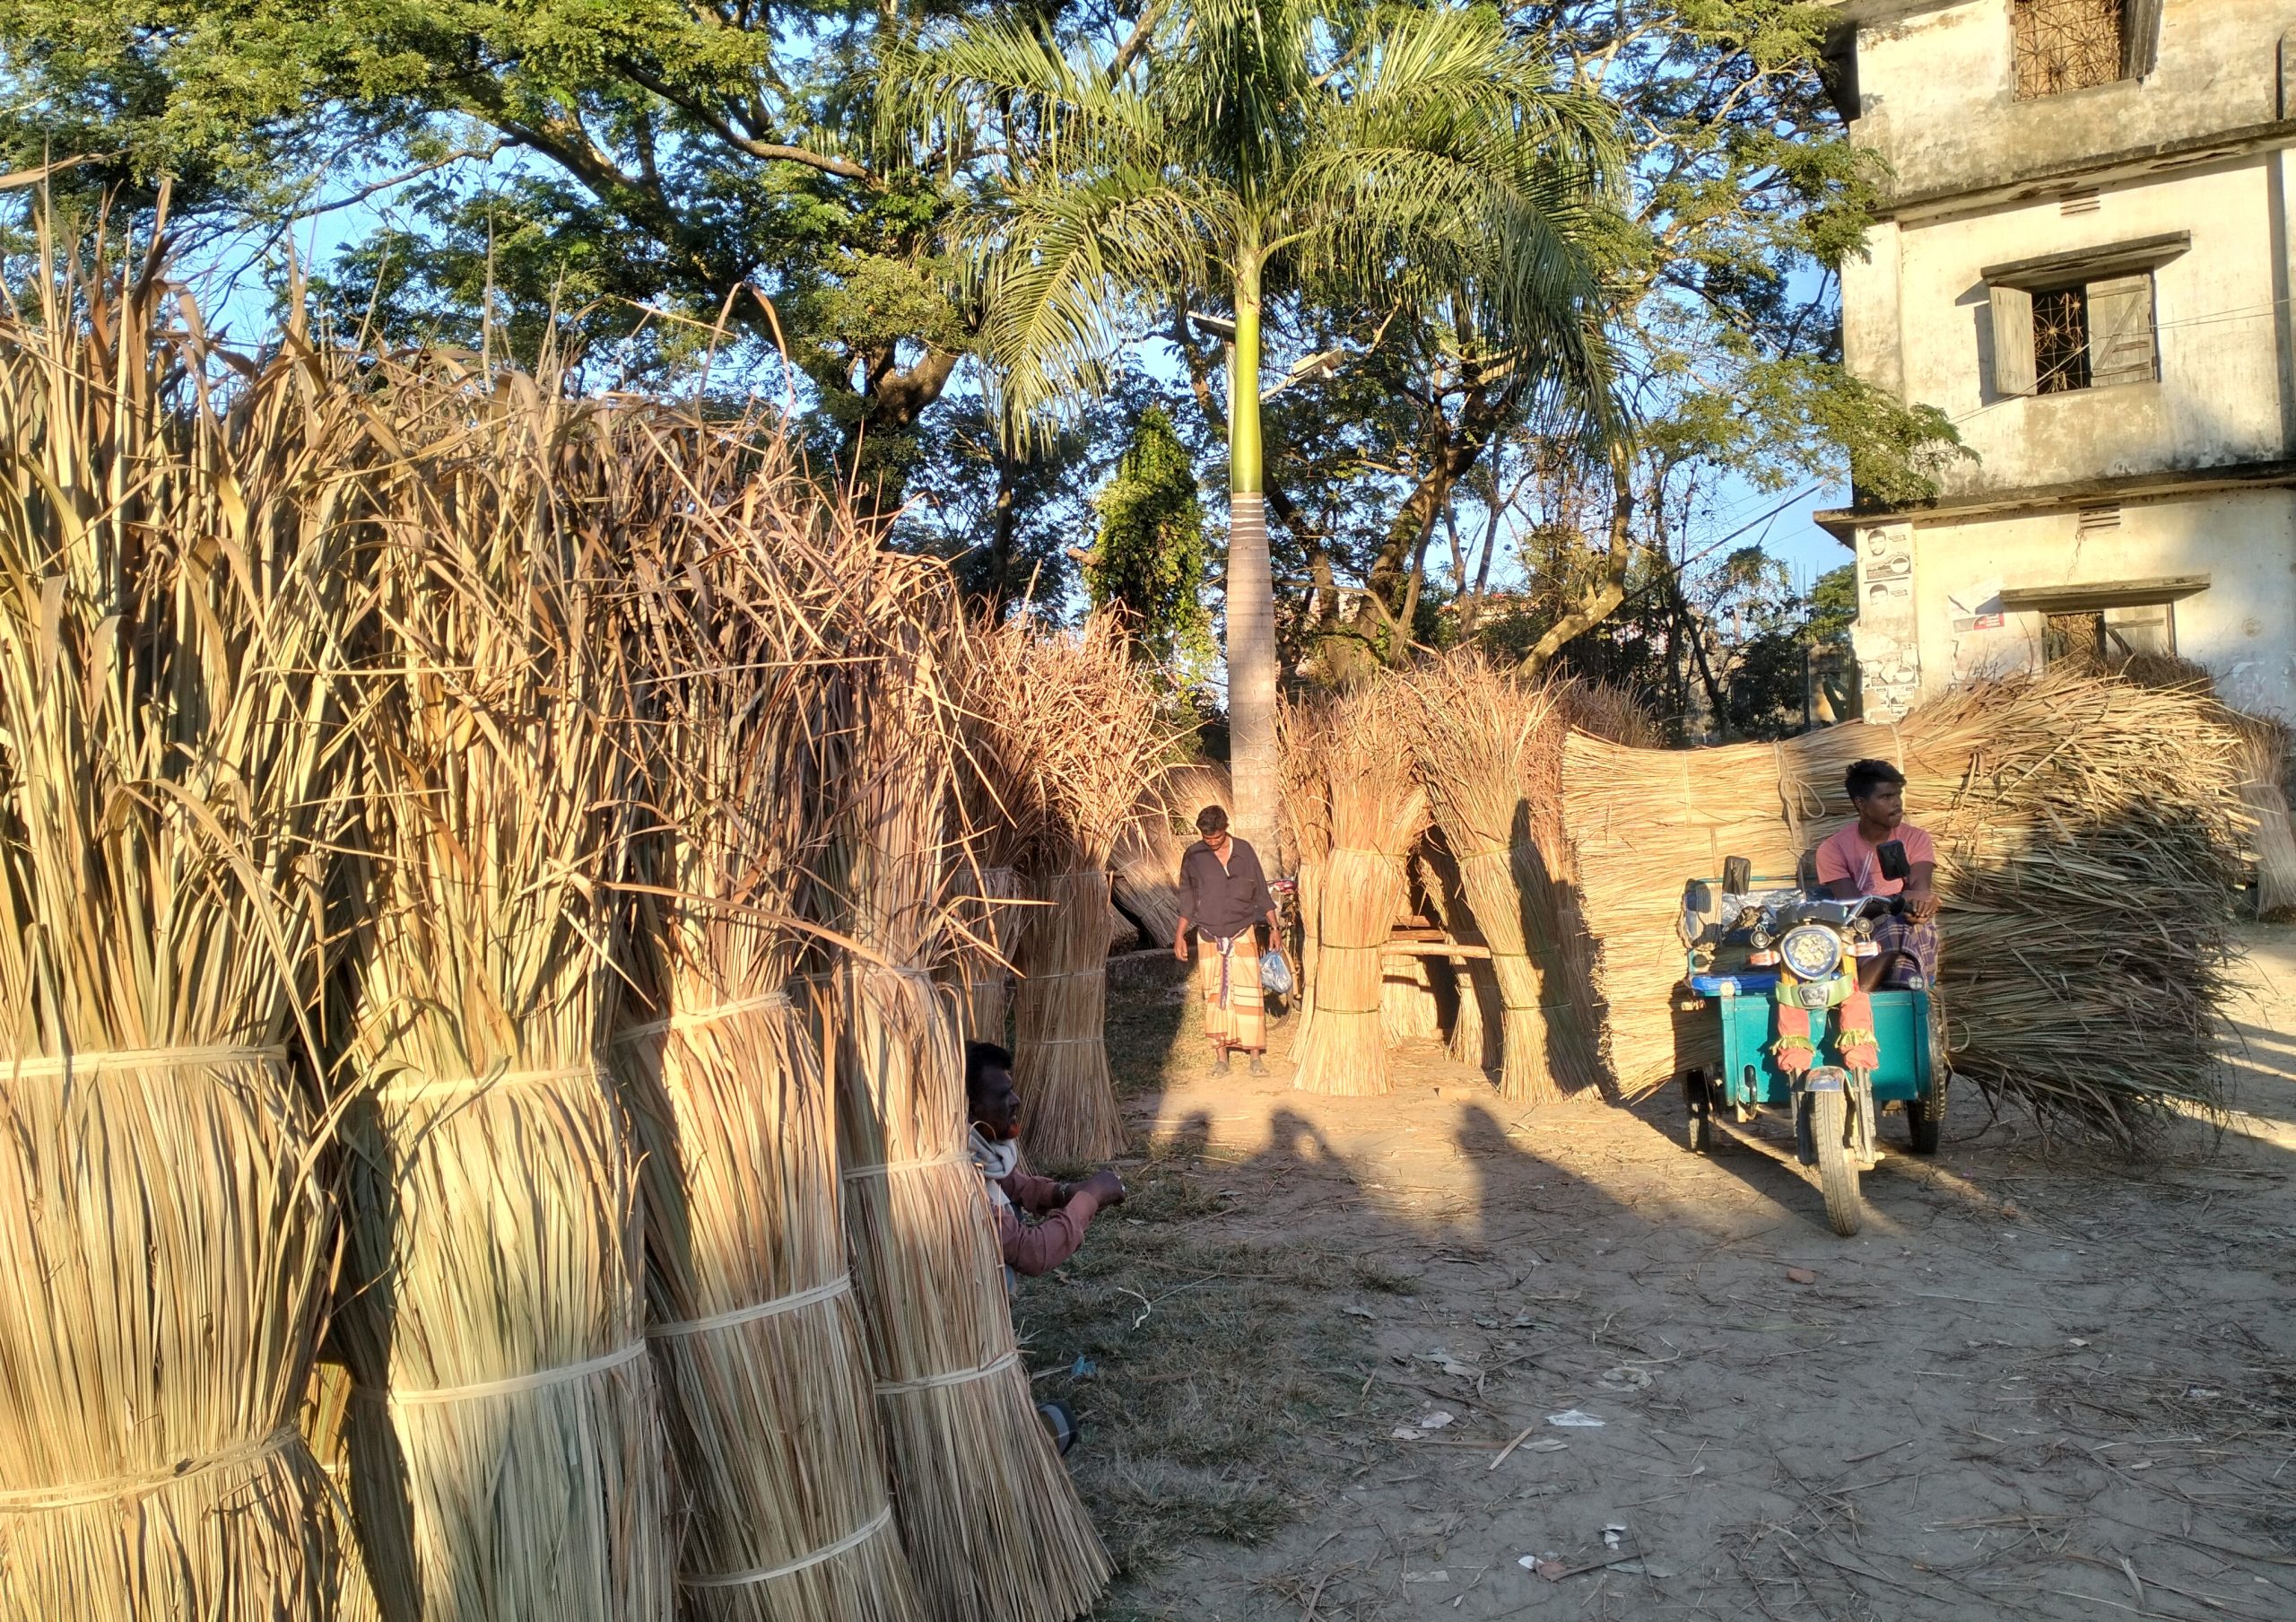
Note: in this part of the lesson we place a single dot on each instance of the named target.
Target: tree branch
(1600, 602)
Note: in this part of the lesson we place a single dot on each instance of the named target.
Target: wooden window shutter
(2140, 37)
(2013, 341)
(2120, 332)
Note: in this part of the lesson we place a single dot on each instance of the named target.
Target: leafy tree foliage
(1150, 558)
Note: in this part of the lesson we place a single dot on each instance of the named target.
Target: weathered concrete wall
(1916, 322)
(2243, 628)
(1938, 92)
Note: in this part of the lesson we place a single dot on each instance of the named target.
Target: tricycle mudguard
(1750, 1024)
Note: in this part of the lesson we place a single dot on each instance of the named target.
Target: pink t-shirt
(1845, 855)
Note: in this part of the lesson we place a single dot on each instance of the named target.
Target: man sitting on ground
(1224, 895)
(1849, 865)
(1064, 1208)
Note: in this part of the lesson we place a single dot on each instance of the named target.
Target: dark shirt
(1224, 903)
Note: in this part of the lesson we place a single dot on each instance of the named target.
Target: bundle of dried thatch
(1079, 735)
(765, 1381)
(1162, 828)
(1490, 749)
(1374, 811)
(1002, 823)
(170, 597)
(2263, 769)
(992, 1524)
(506, 1455)
(2087, 831)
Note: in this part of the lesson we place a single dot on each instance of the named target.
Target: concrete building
(2086, 264)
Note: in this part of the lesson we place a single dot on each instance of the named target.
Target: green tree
(1149, 557)
(1365, 158)
(655, 164)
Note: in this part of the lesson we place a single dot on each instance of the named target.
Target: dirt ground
(2041, 1383)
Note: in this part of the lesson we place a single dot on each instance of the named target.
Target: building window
(2092, 334)
(2108, 636)
(2064, 45)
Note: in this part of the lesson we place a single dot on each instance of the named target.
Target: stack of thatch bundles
(993, 1526)
(1162, 828)
(765, 1381)
(1475, 1033)
(2087, 831)
(507, 1456)
(1490, 749)
(1307, 823)
(1000, 817)
(1374, 811)
(170, 592)
(1083, 715)
(2264, 768)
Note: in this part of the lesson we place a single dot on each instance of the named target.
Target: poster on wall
(1886, 636)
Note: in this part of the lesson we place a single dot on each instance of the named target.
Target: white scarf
(997, 1160)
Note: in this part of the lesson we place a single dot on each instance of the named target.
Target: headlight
(1813, 951)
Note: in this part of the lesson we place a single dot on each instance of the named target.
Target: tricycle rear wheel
(1825, 1125)
(1925, 1116)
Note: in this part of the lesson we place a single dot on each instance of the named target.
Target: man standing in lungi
(1224, 895)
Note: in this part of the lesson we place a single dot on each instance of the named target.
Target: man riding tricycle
(1825, 986)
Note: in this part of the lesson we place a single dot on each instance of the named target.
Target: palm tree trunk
(1251, 592)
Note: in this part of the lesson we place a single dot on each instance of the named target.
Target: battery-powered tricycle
(1778, 962)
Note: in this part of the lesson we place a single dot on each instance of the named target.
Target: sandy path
(2039, 1384)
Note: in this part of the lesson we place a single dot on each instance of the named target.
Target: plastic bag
(1274, 974)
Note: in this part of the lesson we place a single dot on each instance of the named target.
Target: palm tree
(1237, 151)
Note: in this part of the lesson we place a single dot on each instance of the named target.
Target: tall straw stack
(1299, 742)
(1162, 828)
(1376, 812)
(1001, 819)
(993, 1526)
(1490, 749)
(170, 594)
(765, 1380)
(1082, 731)
(507, 1456)
(2087, 831)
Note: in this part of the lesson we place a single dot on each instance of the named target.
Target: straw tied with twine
(284, 1437)
(759, 1484)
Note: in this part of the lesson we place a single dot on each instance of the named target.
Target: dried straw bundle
(1474, 1038)
(993, 1526)
(506, 1455)
(1307, 827)
(1084, 735)
(2086, 830)
(170, 596)
(1002, 822)
(1149, 851)
(1490, 749)
(1068, 1108)
(2264, 767)
(757, 1338)
(1376, 812)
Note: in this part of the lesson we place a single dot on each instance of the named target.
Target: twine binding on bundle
(926, 1382)
(694, 1018)
(564, 1375)
(72, 1495)
(852, 1541)
(839, 1285)
(142, 1059)
(408, 1091)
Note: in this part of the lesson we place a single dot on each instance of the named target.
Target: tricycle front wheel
(1825, 1123)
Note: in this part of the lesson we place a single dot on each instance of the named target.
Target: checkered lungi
(1917, 941)
(1228, 980)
